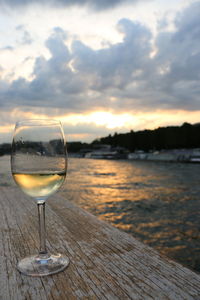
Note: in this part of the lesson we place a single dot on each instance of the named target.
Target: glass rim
(38, 122)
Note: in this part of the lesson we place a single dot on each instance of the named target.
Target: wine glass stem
(42, 229)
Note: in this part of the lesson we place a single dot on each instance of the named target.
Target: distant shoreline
(176, 155)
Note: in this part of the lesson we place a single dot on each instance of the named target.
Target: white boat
(194, 159)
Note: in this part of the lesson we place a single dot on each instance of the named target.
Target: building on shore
(174, 155)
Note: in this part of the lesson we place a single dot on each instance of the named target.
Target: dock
(105, 263)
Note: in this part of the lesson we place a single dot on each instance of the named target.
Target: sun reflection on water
(156, 202)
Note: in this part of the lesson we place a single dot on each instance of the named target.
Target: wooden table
(105, 263)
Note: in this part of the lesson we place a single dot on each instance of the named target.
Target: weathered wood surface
(104, 262)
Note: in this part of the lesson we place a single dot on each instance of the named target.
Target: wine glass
(38, 165)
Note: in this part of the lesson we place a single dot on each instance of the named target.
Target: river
(156, 202)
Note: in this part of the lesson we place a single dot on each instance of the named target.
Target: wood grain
(105, 263)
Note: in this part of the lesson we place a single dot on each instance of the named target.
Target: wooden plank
(105, 263)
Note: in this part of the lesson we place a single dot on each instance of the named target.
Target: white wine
(39, 184)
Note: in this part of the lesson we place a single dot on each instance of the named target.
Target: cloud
(178, 60)
(7, 48)
(56, 84)
(88, 131)
(94, 4)
(121, 77)
(120, 63)
(26, 37)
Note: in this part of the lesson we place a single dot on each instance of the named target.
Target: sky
(99, 66)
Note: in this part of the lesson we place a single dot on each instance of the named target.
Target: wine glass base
(36, 266)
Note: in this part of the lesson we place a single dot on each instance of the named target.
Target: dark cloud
(124, 76)
(94, 4)
(178, 60)
(54, 83)
(119, 64)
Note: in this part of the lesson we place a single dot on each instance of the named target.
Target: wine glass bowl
(39, 165)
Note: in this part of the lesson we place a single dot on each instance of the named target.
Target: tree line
(171, 137)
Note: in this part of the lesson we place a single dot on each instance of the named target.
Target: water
(156, 202)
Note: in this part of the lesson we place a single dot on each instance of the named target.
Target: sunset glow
(134, 70)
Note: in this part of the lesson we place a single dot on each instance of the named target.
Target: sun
(110, 120)
(101, 118)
